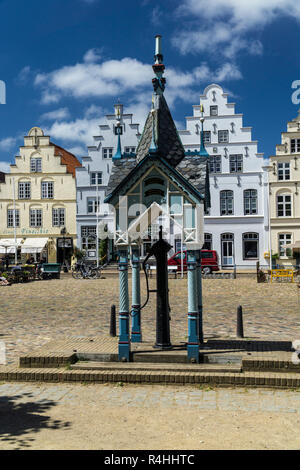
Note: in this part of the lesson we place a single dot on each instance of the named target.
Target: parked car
(209, 261)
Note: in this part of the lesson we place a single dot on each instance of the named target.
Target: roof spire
(158, 67)
(118, 130)
(203, 152)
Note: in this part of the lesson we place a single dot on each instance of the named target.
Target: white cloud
(92, 56)
(126, 76)
(8, 143)
(4, 167)
(57, 114)
(230, 26)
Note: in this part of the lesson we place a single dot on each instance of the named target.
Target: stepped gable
(67, 159)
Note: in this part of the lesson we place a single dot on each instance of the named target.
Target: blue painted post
(193, 339)
(124, 340)
(199, 290)
(136, 334)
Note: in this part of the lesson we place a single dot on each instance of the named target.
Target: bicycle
(83, 271)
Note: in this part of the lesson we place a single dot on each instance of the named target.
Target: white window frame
(223, 136)
(24, 190)
(35, 217)
(47, 190)
(35, 165)
(215, 162)
(213, 110)
(236, 163)
(10, 218)
(92, 201)
(284, 205)
(107, 152)
(295, 145)
(283, 171)
(250, 201)
(224, 201)
(283, 240)
(58, 217)
(96, 178)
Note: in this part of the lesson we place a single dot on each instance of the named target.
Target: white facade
(92, 179)
(237, 224)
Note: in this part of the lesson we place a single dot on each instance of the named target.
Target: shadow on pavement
(20, 417)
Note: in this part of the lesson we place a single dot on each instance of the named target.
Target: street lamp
(63, 232)
(268, 169)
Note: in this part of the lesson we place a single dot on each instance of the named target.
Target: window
(35, 217)
(215, 164)
(10, 218)
(129, 149)
(250, 201)
(283, 171)
(206, 137)
(58, 217)
(36, 165)
(88, 237)
(235, 163)
(207, 241)
(222, 137)
(295, 145)
(47, 189)
(92, 205)
(88, 230)
(107, 152)
(214, 110)
(284, 205)
(24, 190)
(284, 239)
(250, 245)
(96, 178)
(226, 202)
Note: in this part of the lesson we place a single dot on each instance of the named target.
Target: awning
(34, 245)
(7, 246)
(293, 246)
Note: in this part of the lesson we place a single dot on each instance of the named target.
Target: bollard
(239, 326)
(113, 331)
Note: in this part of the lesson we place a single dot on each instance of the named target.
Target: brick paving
(75, 416)
(35, 313)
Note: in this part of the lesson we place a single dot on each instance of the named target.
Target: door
(227, 249)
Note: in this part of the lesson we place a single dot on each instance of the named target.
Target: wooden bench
(282, 274)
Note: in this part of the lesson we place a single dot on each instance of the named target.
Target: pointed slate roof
(166, 137)
(160, 141)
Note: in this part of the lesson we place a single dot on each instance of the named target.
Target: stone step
(136, 366)
(243, 379)
(270, 364)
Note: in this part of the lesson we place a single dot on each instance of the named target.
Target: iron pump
(160, 250)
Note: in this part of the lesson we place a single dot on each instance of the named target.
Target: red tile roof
(67, 159)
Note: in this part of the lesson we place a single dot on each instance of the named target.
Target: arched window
(250, 201)
(250, 245)
(284, 205)
(226, 202)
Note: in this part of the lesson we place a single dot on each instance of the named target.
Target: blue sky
(66, 62)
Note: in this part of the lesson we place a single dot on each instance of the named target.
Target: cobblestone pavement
(33, 314)
(65, 416)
